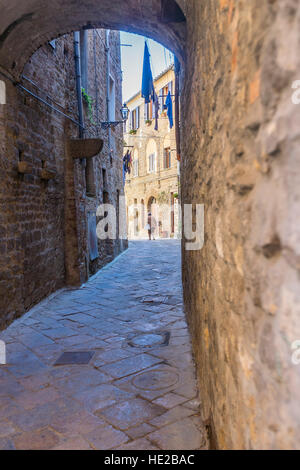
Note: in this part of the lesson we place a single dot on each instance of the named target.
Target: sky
(132, 61)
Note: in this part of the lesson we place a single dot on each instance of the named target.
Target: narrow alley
(106, 366)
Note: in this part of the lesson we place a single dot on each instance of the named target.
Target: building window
(135, 167)
(112, 100)
(149, 111)
(167, 158)
(164, 93)
(90, 185)
(151, 161)
(135, 119)
(104, 178)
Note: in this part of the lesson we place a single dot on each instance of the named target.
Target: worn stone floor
(137, 391)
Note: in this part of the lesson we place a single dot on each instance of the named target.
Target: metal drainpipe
(78, 82)
(107, 85)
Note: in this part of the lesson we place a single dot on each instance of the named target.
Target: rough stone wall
(241, 159)
(34, 218)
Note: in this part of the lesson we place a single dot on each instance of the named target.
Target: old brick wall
(32, 210)
(241, 159)
(35, 220)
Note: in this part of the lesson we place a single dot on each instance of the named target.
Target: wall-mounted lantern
(125, 114)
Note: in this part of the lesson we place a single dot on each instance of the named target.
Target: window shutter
(138, 117)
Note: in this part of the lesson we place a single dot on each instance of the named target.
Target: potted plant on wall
(132, 131)
(148, 122)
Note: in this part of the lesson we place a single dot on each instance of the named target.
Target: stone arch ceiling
(26, 25)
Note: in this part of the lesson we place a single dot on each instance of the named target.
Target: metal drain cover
(74, 357)
(149, 340)
(155, 379)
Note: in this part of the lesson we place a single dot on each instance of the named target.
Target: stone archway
(37, 22)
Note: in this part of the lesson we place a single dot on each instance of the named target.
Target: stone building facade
(153, 183)
(48, 199)
(240, 158)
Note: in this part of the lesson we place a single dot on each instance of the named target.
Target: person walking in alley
(151, 226)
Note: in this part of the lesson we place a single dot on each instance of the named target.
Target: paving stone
(107, 357)
(107, 438)
(170, 400)
(131, 413)
(42, 439)
(6, 444)
(36, 382)
(6, 429)
(44, 415)
(81, 422)
(188, 390)
(35, 340)
(82, 381)
(182, 435)
(73, 443)
(10, 387)
(29, 400)
(171, 416)
(100, 397)
(8, 407)
(56, 333)
(193, 404)
(130, 365)
(140, 431)
(139, 444)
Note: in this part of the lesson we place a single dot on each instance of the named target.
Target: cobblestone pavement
(137, 391)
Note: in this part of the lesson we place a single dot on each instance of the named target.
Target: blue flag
(147, 83)
(169, 105)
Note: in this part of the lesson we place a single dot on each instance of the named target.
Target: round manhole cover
(155, 380)
(149, 339)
